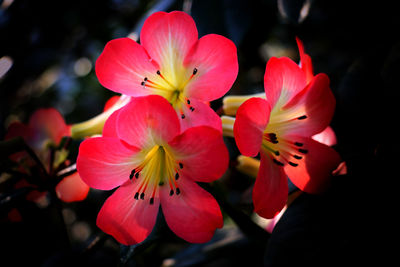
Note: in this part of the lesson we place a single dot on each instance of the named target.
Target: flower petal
(105, 163)
(194, 214)
(283, 79)
(305, 61)
(201, 115)
(72, 188)
(270, 189)
(215, 59)
(110, 126)
(326, 137)
(123, 65)
(251, 119)
(167, 37)
(313, 173)
(202, 152)
(127, 219)
(316, 102)
(146, 120)
(47, 124)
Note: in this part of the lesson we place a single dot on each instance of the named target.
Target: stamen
(304, 151)
(132, 174)
(293, 164)
(302, 117)
(278, 162)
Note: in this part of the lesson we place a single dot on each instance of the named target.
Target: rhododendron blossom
(44, 132)
(297, 106)
(144, 153)
(172, 62)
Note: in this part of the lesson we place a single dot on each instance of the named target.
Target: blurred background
(48, 51)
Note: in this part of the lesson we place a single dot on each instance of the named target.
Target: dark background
(355, 42)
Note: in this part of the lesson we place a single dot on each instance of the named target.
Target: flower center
(282, 150)
(158, 166)
(174, 93)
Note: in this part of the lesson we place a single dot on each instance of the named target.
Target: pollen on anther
(293, 164)
(188, 102)
(178, 191)
(136, 195)
(152, 201)
(297, 157)
(137, 175)
(158, 72)
(171, 192)
(181, 165)
(183, 116)
(278, 162)
(142, 196)
(132, 174)
(191, 109)
(302, 117)
(304, 151)
(176, 176)
(298, 144)
(194, 71)
(142, 83)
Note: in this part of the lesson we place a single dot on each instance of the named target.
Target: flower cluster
(157, 142)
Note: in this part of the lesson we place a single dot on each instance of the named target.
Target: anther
(145, 79)
(132, 174)
(191, 109)
(188, 102)
(278, 162)
(152, 201)
(276, 153)
(176, 176)
(158, 72)
(183, 116)
(178, 191)
(171, 192)
(161, 183)
(181, 165)
(298, 144)
(137, 175)
(297, 157)
(302, 117)
(142, 196)
(136, 195)
(142, 83)
(304, 151)
(293, 164)
(194, 71)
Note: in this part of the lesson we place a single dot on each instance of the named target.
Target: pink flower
(172, 62)
(144, 153)
(297, 106)
(44, 131)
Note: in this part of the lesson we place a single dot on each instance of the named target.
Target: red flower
(45, 129)
(298, 105)
(145, 154)
(172, 62)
